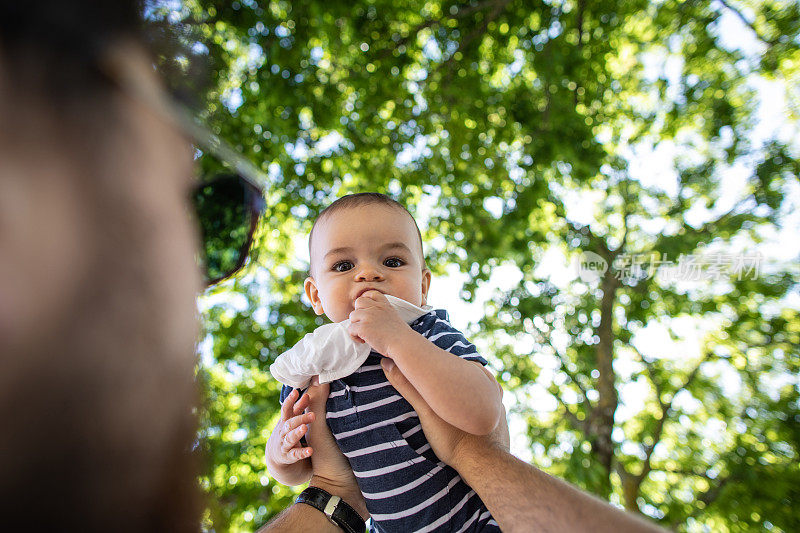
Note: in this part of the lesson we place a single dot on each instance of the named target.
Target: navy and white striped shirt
(405, 486)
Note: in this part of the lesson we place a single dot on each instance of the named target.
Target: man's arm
(519, 496)
(302, 517)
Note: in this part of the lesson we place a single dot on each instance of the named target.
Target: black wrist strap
(335, 508)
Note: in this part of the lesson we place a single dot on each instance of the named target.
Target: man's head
(97, 281)
(361, 242)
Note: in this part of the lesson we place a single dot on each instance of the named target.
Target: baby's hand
(284, 442)
(376, 322)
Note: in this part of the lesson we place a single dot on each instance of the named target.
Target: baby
(362, 247)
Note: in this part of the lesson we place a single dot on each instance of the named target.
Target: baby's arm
(288, 461)
(461, 392)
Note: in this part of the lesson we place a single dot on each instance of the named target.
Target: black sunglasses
(227, 208)
(229, 205)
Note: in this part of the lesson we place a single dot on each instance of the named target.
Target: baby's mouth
(362, 291)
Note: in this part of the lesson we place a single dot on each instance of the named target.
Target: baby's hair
(360, 199)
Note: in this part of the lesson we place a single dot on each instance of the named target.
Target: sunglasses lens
(226, 210)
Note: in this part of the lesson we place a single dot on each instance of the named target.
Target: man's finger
(317, 396)
(500, 434)
(288, 404)
(398, 380)
(301, 404)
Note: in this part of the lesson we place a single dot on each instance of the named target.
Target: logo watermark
(591, 267)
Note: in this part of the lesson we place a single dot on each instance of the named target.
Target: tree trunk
(602, 423)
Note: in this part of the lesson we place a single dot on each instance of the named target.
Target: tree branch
(636, 480)
(625, 214)
(740, 15)
(691, 376)
(499, 6)
(579, 24)
(413, 33)
(683, 472)
(650, 372)
(709, 228)
(708, 497)
(461, 13)
(563, 365)
(580, 425)
(596, 242)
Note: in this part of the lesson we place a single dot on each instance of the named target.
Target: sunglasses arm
(127, 66)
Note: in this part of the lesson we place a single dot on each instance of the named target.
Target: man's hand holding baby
(289, 462)
(376, 322)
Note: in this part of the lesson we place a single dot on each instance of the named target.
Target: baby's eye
(394, 262)
(342, 266)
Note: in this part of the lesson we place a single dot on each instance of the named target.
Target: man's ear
(426, 284)
(313, 294)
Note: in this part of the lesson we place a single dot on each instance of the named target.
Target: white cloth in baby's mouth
(329, 352)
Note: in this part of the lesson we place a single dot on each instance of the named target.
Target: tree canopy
(522, 133)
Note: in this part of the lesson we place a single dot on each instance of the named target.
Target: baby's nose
(369, 273)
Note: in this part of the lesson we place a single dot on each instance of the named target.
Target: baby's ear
(426, 284)
(313, 294)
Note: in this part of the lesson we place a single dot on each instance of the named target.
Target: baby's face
(364, 248)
